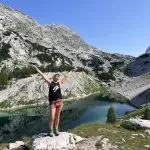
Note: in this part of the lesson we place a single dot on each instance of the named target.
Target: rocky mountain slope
(148, 50)
(33, 90)
(55, 48)
(135, 84)
(24, 40)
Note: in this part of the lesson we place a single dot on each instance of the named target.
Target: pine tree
(4, 76)
(111, 116)
(147, 113)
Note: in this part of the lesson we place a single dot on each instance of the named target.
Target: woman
(55, 98)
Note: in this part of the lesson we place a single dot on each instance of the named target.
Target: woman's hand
(75, 70)
(34, 66)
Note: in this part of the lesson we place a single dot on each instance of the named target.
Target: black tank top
(54, 91)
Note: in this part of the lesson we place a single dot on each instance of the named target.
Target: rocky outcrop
(135, 89)
(148, 50)
(140, 66)
(65, 141)
(141, 122)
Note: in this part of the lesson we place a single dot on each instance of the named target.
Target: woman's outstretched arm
(41, 73)
(63, 78)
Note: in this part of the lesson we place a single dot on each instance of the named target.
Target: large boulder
(64, 141)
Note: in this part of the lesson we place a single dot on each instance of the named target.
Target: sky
(114, 26)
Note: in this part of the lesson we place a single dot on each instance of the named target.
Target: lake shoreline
(105, 96)
(40, 104)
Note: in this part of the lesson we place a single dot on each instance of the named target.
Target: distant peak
(148, 50)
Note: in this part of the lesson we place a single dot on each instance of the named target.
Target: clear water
(33, 120)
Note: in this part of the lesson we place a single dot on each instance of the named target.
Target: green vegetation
(111, 116)
(89, 87)
(147, 113)
(130, 126)
(137, 112)
(5, 76)
(28, 141)
(105, 76)
(4, 51)
(113, 97)
(3, 146)
(5, 104)
(23, 72)
(115, 133)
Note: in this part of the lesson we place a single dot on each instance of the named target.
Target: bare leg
(52, 117)
(57, 116)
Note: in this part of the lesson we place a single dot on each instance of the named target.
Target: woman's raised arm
(42, 74)
(63, 78)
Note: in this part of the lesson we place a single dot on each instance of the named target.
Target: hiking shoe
(51, 133)
(56, 131)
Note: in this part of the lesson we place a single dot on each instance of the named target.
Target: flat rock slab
(64, 141)
(141, 122)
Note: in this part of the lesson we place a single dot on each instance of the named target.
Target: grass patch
(135, 113)
(114, 133)
(5, 104)
(3, 146)
(28, 141)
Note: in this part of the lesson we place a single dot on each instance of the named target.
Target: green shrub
(147, 113)
(4, 78)
(130, 126)
(23, 72)
(111, 116)
(4, 51)
(105, 76)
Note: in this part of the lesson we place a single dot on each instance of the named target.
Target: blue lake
(33, 120)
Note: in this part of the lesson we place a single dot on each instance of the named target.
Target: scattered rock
(105, 144)
(123, 140)
(137, 136)
(147, 146)
(17, 144)
(147, 131)
(141, 122)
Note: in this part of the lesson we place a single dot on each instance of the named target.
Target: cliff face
(23, 40)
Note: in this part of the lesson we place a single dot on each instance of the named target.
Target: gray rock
(137, 136)
(141, 122)
(64, 141)
(16, 145)
(147, 146)
(147, 132)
